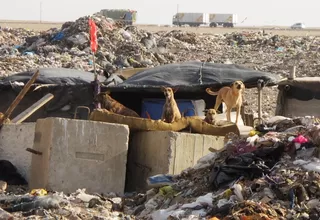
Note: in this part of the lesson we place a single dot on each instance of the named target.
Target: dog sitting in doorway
(170, 111)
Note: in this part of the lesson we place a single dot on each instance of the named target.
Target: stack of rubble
(272, 174)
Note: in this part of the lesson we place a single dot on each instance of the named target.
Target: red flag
(93, 36)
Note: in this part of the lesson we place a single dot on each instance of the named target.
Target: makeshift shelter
(71, 88)
(299, 97)
(141, 92)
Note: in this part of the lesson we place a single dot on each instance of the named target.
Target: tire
(213, 24)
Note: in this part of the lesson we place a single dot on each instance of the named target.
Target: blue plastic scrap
(59, 36)
(291, 198)
(160, 179)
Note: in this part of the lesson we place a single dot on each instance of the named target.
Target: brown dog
(210, 116)
(170, 111)
(231, 96)
(114, 106)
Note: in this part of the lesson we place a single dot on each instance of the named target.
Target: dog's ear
(205, 111)
(175, 90)
(162, 88)
(108, 92)
(231, 85)
(243, 86)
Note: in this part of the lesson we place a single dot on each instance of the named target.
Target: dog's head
(168, 92)
(237, 86)
(102, 96)
(211, 115)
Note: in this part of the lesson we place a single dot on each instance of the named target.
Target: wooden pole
(259, 104)
(29, 111)
(19, 97)
(260, 85)
(292, 74)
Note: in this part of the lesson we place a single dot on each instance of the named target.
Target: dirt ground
(37, 26)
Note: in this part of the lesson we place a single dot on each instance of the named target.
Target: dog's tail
(208, 90)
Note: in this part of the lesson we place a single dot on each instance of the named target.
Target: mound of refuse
(127, 47)
(122, 46)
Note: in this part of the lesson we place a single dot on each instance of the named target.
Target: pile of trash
(39, 203)
(127, 47)
(272, 174)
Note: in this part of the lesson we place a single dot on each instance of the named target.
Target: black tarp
(71, 88)
(58, 76)
(194, 76)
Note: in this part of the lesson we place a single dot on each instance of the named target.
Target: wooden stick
(34, 151)
(29, 111)
(19, 97)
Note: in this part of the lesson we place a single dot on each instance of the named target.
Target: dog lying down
(211, 118)
(114, 106)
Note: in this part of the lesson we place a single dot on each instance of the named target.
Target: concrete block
(14, 140)
(79, 154)
(165, 152)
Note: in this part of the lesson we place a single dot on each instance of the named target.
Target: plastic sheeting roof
(193, 76)
(58, 76)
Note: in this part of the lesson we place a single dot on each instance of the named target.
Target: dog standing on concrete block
(114, 106)
(231, 96)
(170, 111)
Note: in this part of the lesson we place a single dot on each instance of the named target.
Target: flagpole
(96, 82)
(94, 66)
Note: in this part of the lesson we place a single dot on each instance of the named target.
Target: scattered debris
(269, 175)
(273, 174)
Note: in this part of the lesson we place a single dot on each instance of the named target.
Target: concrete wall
(298, 108)
(79, 154)
(14, 140)
(162, 152)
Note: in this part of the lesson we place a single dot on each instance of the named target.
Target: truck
(225, 20)
(126, 15)
(211, 19)
(191, 19)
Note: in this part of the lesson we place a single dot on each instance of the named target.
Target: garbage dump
(128, 47)
(272, 174)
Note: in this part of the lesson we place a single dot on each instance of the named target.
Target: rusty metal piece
(81, 107)
(34, 151)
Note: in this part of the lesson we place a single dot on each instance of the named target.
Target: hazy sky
(258, 12)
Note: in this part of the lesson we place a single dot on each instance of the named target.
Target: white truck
(197, 19)
(191, 19)
(225, 20)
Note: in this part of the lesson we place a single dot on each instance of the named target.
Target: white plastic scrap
(163, 214)
(205, 161)
(308, 165)
(207, 199)
(83, 196)
(237, 189)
